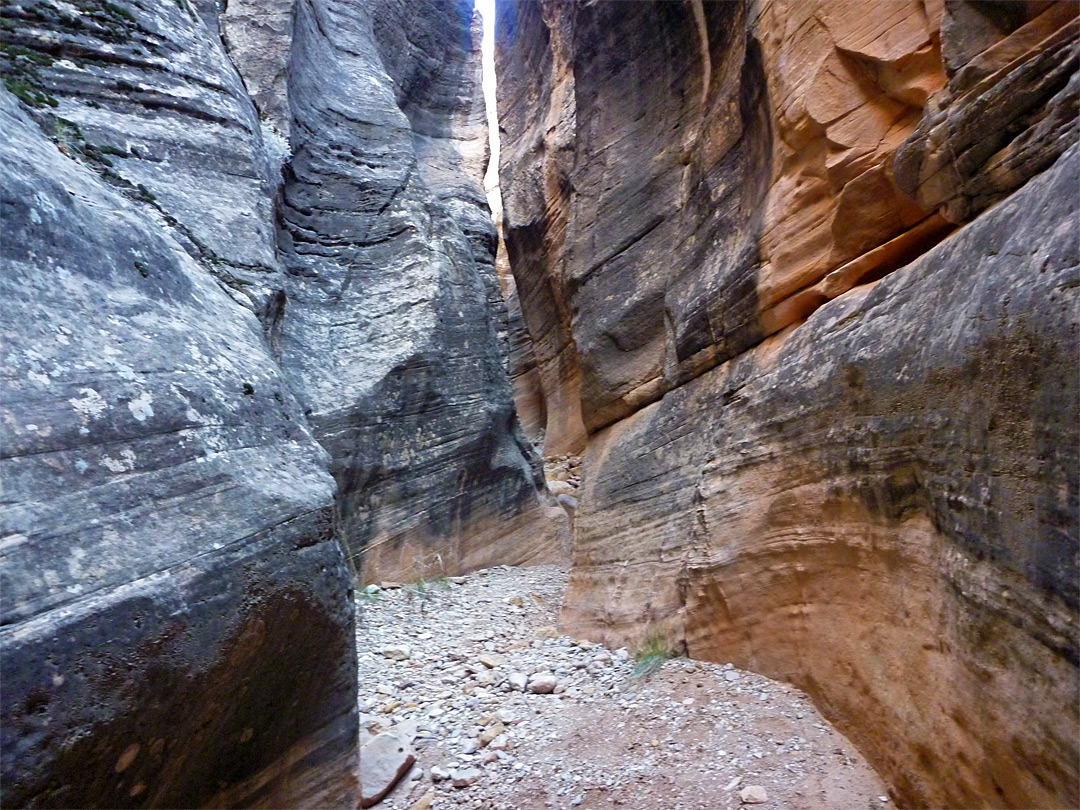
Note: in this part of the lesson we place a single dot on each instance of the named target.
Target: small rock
(491, 660)
(518, 681)
(490, 733)
(424, 802)
(542, 683)
(439, 774)
(465, 777)
(731, 676)
(557, 488)
(396, 653)
(386, 759)
(753, 794)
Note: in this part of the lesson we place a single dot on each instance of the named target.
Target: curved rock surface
(879, 506)
(199, 292)
(389, 261)
(169, 569)
(1008, 111)
(685, 180)
(640, 260)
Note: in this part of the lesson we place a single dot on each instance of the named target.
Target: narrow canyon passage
(768, 357)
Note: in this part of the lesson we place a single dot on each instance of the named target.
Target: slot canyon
(766, 366)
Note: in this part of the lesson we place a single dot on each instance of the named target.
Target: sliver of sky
(487, 11)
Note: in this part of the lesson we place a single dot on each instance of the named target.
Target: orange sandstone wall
(815, 265)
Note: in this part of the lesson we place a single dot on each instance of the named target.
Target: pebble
(492, 660)
(465, 777)
(543, 683)
(753, 794)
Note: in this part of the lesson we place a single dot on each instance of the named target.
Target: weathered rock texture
(879, 501)
(881, 507)
(639, 263)
(1008, 111)
(176, 622)
(193, 305)
(389, 257)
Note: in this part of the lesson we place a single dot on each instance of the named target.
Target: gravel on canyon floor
(471, 677)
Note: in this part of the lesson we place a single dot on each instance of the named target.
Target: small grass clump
(651, 655)
(370, 594)
(424, 590)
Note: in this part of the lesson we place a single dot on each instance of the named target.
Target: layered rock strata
(169, 566)
(638, 262)
(685, 180)
(1009, 109)
(389, 258)
(879, 506)
(193, 304)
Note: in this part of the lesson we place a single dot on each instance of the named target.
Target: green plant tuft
(651, 655)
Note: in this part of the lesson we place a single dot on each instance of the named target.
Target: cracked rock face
(878, 501)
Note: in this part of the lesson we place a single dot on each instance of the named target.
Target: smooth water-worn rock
(201, 286)
(177, 622)
(684, 180)
(880, 506)
(149, 98)
(668, 209)
(389, 281)
(621, 227)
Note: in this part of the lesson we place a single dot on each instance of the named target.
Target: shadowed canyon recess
(771, 347)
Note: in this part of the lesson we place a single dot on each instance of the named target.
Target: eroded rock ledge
(879, 506)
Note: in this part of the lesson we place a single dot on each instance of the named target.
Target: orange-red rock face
(879, 506)
(879, 502)
(538, 131)
(847, 84)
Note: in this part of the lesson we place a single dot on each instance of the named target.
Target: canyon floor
(459, 669)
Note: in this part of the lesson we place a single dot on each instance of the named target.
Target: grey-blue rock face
(388, 254)
(169, 567)
(193, 304)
